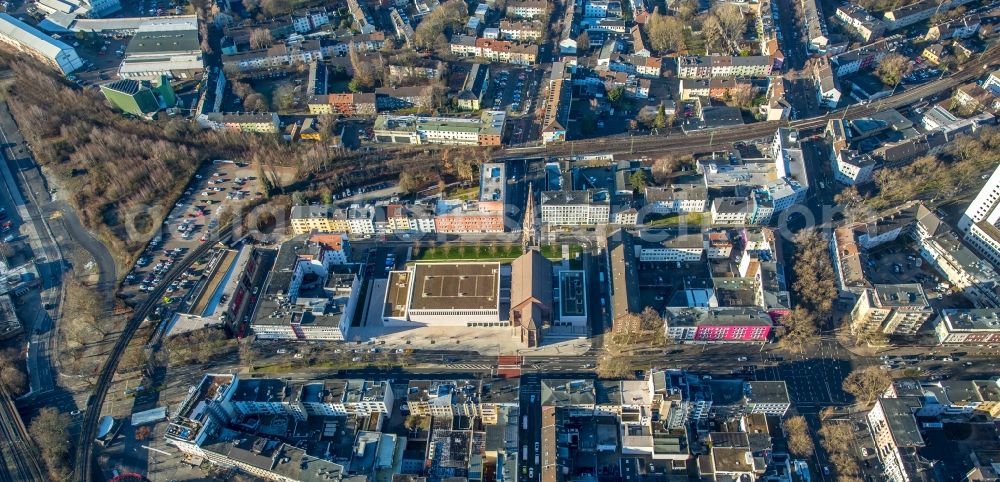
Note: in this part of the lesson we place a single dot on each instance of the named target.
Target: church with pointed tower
(531, 283)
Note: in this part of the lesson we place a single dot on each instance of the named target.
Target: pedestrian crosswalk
(470, 366)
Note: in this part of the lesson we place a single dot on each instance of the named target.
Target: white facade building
(687, 248)
(29, 40)
(575, 208)
(979, 222)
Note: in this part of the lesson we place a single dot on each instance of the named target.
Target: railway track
(83, 467)
(702, 141)
(20, 462)
(696, 142)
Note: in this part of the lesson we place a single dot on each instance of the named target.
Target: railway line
(695, 142)
(702, 141)
(20, 462)
(83, 468)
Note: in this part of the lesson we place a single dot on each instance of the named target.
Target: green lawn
(688, 219)
(467, 194)
(467, 251)
(488, 252)
(554, 251)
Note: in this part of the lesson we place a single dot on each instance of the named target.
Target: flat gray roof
(396, 293)
(902, 424)
(163, 42)
(455, 286)
(572, 293)
(768, 392)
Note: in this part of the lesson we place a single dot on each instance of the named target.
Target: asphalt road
(50, 221)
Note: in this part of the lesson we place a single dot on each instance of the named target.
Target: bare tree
(255, 103)
(816, 283)
(732, 20)
(11, 375)
(48, 430)
(713, 34)
(838, 441)
(800, 329)
(800, 442)
(583, 42)
(665, 33)
(893, 68)
(867, 383)
(261, 38)
(743, 95)
(664, 167)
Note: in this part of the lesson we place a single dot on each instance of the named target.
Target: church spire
(529, 228)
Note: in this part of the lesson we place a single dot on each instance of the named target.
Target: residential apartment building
(706, 66)
(416, 69)
(967, 326)
(827, 86)
(816, 33)
(852, 168)
(327, 398)
(204, 411)
(558, 95)
(506, 51)
(307, 20)
(867, 27)
(866, 57)
(265, 123)
(897, 437)
(980, 220)
(486, 130)
(975, 99)
(420, 97)
(521, 30)
(677, 198)
(356, 104)
(31, 41)
(964, 27)
(575, 208)
(361, 219)
(283, 55)
(320, 219)
(910, 14)
(714, 325)
(891, 309)
(992, 83)
(768, 398)
(965, 270)
(457, 216)
(527, 8)
(362, 19)
(687, 248)
(443, 398)
(934, 53)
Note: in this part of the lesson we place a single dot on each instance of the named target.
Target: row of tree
(815, 287)
(631, 335)
(941, 176)
(720, 29)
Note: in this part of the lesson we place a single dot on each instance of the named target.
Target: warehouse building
(28, 40)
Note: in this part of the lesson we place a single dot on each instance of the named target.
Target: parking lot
(216, 187)
(514, 90)
(904, 265)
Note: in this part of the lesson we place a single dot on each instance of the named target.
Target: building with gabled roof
(531, 297)
(31, 41)
(558, 95)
